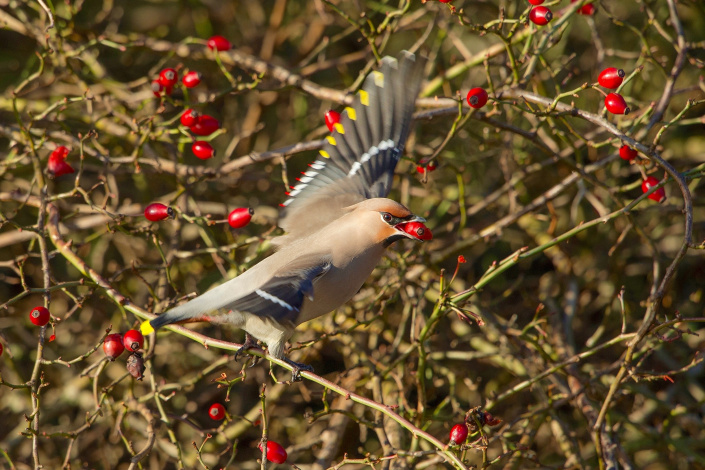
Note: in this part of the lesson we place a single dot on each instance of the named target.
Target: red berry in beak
(158, 211)
(611, 78)
(275, 452)
(191, 79)
(202, 149)
(113, 346)
(240, 217)
(458, 434)
(477, 98)
(540, 16)
(205, 125)
(332, 118)
(659, 195)
(56, 165)
(615, 104)
(133, 340)
(190, 117)
(216, 412)
(218, 43)
(168, 78)
(416, 229)
(627, 153)
(39, 316)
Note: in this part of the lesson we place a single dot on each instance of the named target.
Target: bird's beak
(415, 229)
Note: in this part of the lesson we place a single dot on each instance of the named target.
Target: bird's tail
(203, 308)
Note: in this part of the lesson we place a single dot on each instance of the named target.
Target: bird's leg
(250, 343)
(298, 367)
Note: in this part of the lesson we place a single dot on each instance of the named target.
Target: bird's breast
(339, 284)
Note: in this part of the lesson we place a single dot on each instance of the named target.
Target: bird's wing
(281, 297)
(357, 160)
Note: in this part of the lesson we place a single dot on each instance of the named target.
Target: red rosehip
(417, 230)
(431, 166)
(540, 16)
(113, 346)
(536, 2)
(190, 117)
(39, 316)
(1, 349)
(477, 98)
(240, 217)
(627, 153)
(611, 78)
(458, 434)
(587, 9)
(275, 452)
(56, 164)
(192, 79)
(216, 411)
(158, 89)
(202, 149)
(615, 104)
(445, 1)
(157, 211)
(218, 43)
(168, 78)
(205, 125)
(659, 195)
(133, 340)
(332, 118)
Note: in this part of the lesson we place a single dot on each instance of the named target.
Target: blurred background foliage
(550, 351)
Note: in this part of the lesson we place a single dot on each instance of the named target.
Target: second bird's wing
(357, 160)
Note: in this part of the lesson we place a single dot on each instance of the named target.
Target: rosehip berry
(540, 16)
(202, 149)
(1, 349)
(240, 217)
(477, 98)
(431, 166)
(158, 89)
(536, 2)
(56, 165)
(615, 104)
(168, 77)
(216, 411)
(190, 117)
(218, 43)
(332, 118)
(611, 78)
(588, 9)
(133, 340)
(458, 434)
(417, 230)
(157, 211)
(627, 153)
(39, 316)
(658, 195)
(275, 452)
(135, 365)
(113, 346)
(192, 79)
(205, 125)
(445, 1)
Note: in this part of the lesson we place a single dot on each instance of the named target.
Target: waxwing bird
(338, 222)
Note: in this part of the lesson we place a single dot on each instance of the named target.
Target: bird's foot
(250, 343)
(298, 367)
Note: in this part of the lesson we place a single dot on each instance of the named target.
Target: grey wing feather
(358, 159)
(282, 296)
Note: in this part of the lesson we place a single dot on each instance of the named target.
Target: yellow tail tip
(146, 328)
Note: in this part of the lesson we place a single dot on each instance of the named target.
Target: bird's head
(393, 221)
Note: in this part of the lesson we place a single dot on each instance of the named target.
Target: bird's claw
(298, 367)
(250, 343)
